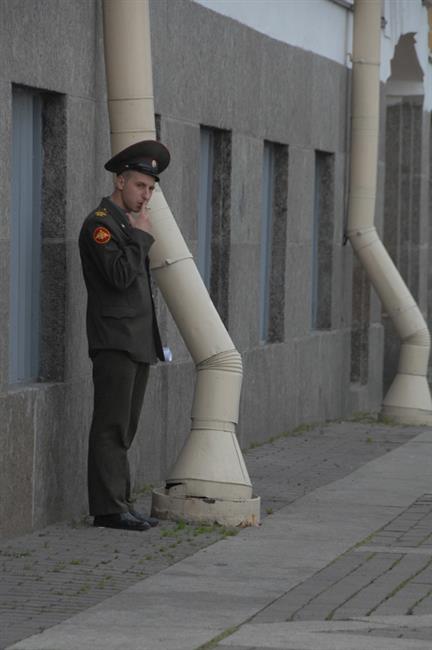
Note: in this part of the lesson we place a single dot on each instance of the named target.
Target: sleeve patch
(101, 235)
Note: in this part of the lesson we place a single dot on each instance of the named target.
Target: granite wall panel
(220, 74)
(16, 461)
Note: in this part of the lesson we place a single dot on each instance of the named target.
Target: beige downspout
(209, 481)
(408, 399)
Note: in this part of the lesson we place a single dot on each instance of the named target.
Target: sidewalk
(343, 560)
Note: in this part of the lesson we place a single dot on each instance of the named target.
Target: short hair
(126, 173)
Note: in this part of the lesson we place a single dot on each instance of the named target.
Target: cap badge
(154, 164)
(101, 235)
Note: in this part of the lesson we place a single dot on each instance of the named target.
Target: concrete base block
(239, 512)
(404, 415)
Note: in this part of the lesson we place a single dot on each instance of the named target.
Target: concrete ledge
(239, 512)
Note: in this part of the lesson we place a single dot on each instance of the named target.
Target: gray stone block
(246, 189)
(146, 451)
(53, 311)
(308, 381)
(75, 353)
(375, 373)
(287, 115)
(180, 181)
(275, 388)
(164, 424)
(82, 194)
(200, 48)
(179, 395)
(244, 296)
(72, 444)
(49, 462)
(333, 385)
(51, 40)
(301, 179)
(423, 262)
(54, 177)
(328, 117)
(16, 461)
(298, 299)
(338, 282)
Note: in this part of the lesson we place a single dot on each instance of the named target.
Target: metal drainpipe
(408, 399)
(209, 481)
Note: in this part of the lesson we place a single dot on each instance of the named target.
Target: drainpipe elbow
(362, 237)
(217, 392)
(414, 354)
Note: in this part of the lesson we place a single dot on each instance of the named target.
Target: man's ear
(119, 182)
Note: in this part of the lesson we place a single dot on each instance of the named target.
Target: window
(273, 241)
(38, 251)
(322, 241)
(214, 207)
(25, 235)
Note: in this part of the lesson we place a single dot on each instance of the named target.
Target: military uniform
(123, 340)
(120, 311)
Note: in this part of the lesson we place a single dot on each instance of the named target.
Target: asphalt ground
(50, 575)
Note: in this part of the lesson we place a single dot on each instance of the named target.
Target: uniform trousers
(119, 388)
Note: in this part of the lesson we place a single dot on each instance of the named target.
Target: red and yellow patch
(101, 235)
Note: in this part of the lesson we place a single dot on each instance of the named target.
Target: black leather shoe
(150, 520)
(123, 520)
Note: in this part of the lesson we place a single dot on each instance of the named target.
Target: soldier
(122, 331)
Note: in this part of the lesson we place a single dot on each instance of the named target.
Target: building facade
(253, 101)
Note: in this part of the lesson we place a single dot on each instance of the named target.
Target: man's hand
(141, 220)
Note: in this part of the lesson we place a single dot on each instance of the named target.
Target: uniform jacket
(120, 309)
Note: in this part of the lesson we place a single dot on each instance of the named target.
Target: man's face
(134, 189)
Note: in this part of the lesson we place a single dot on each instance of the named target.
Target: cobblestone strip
(51, 575)
(369, 581)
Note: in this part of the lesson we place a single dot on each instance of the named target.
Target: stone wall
(212, 71)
